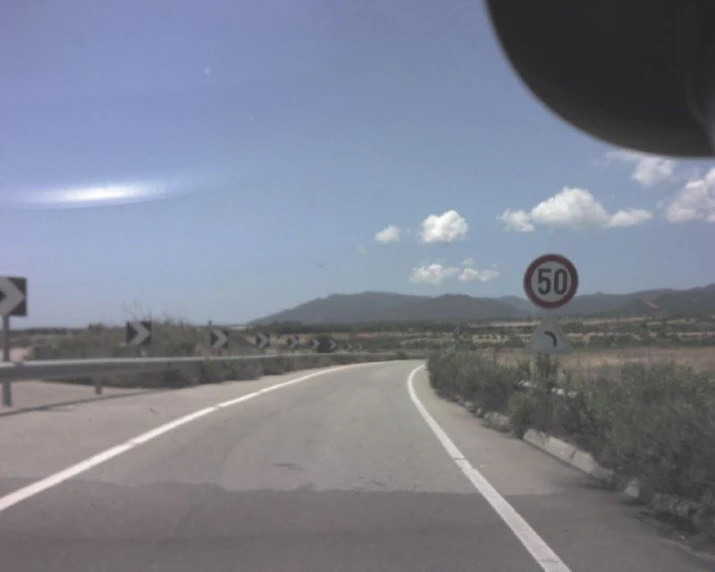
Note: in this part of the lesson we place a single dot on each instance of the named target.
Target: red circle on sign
(529, 274)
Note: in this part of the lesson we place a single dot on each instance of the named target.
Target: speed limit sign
(551, 281)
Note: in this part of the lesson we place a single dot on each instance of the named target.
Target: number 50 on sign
(551, 281)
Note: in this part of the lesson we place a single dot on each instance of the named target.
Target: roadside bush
(576, 414)
(653, 422)
(474, 377)
(544, 377)
(521, 409)
(442, 367)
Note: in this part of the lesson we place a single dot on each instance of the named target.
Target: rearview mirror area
(634, 73)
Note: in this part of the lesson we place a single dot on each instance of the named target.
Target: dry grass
(567, 320)
(700, 359)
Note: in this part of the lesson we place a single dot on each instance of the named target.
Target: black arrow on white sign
(552, 336)
(138, 333)
(219, 339)
(262, 340)
(13, 296)
(549, 338)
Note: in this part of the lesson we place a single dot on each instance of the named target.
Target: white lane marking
(48, 482)
(539, 550)
(154, 433)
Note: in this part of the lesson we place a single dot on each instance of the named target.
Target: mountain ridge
(376, 306)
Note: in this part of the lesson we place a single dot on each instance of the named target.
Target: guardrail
(65, 369)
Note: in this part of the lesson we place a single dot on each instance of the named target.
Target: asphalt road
(342, 471)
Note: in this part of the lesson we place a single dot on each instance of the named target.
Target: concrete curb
(492, 419)
(694, 513)
(497, 421)
(578, 459)
(697, 514)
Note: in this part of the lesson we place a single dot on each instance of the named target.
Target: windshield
(263, 282)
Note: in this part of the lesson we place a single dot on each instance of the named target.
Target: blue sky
(224, 160)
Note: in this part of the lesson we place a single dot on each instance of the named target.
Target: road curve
(339, 471)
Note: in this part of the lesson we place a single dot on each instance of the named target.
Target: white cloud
(517, 221)
(362, 250)
(630, 217)
(389, 234)
(436, 273)
(648, 170)
(433, 273)
(696, 201)
(474, 274)
(572, 208)
(445, 228)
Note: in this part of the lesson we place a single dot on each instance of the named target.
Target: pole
(6, 387)
(210, 331)
(6, 338)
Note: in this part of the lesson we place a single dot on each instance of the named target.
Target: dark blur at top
(635, 73)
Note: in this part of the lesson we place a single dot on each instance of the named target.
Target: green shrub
(653, 422)
(658, 425)
(521, 409)
(474, 377)
(442, 368)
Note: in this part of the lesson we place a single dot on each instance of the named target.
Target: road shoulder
(590, 528)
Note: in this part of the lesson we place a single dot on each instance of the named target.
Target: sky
(225, 160)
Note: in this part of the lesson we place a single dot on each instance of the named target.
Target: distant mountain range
(390, 307)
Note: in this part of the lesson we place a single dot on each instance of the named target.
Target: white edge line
(57, 478)
(534, 544)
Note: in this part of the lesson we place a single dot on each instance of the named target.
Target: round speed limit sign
(551, 281)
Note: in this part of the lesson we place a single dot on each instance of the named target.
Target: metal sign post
(13, 302)
(6, 338)
(6, 387)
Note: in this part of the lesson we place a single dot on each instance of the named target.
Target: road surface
(343, 470)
